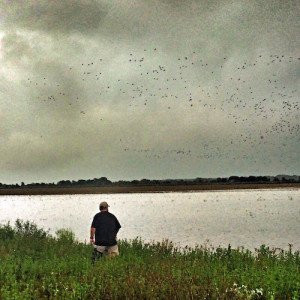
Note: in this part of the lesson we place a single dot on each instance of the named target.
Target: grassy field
(36, 265)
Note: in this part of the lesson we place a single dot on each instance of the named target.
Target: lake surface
(246, 218)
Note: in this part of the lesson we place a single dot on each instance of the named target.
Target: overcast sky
(148, 89)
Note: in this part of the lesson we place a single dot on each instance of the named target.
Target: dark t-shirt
(107, 227)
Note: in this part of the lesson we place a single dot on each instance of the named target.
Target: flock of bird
(247, 97)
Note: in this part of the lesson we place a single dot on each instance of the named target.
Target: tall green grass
(36, 265)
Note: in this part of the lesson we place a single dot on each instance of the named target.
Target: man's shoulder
(97, 215)
(110, 215)
(102, 214)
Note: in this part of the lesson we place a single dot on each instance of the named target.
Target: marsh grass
(36, 265)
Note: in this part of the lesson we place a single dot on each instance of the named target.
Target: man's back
(107, 227)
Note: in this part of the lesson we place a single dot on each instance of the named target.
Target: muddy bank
(140, 189)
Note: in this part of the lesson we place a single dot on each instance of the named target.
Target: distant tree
(264, 179)
(251, 178)
(155, 182)
(80, 182)
(233, 179)
(121, 182)
(145, 181)
(221, 179)
(288, 179)
(64, 183)
(198, 180)
(105, 181)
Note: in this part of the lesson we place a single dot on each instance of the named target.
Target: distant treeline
(103, 181)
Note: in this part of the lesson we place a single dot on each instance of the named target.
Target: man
(104, 229)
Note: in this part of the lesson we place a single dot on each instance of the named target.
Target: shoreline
(141, 189)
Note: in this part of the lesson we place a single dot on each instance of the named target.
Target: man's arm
(92, 236)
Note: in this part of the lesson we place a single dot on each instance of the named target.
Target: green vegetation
(36, 265)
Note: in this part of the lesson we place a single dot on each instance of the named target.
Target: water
(246, 218)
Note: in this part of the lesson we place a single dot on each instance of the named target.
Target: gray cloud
(66, 17)
(72, 97)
